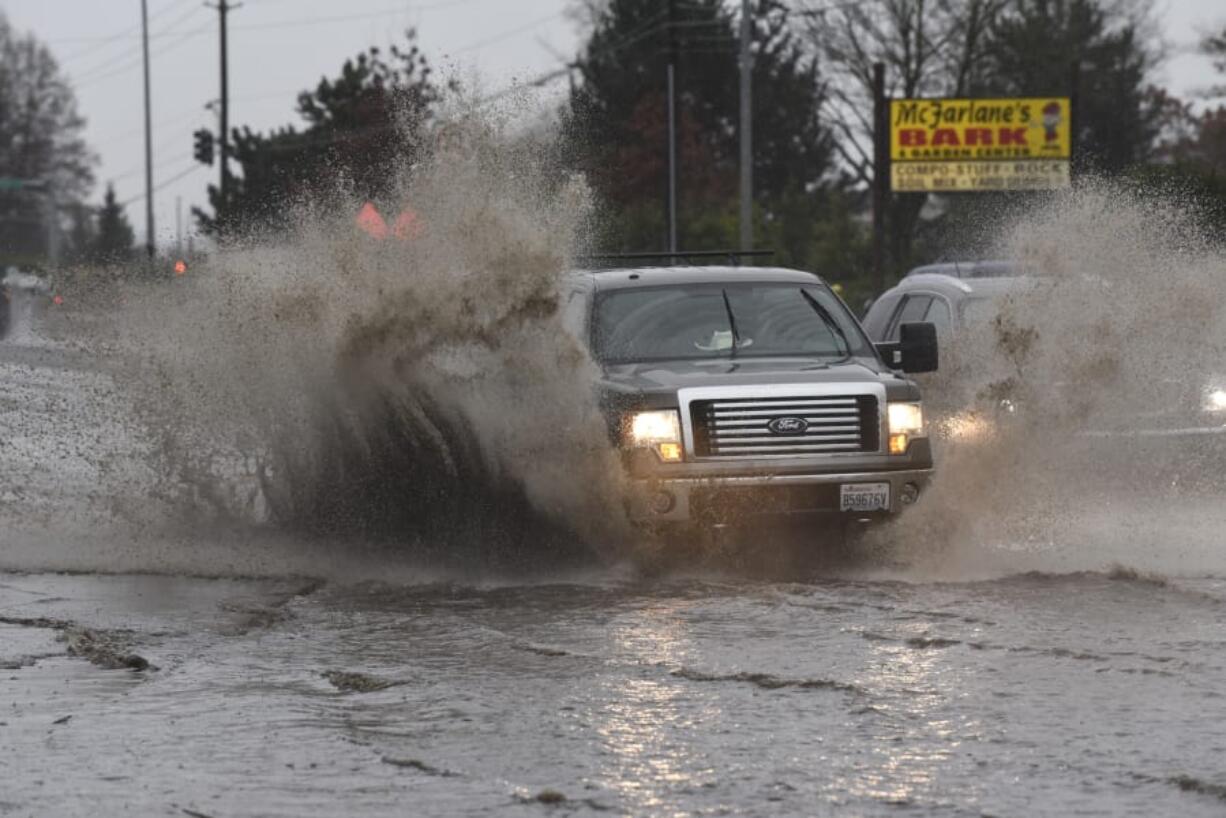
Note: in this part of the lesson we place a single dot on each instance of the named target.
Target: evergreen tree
(82, 233)
(618, 116)
(1031, 49)
(115, 239)
(359, 127)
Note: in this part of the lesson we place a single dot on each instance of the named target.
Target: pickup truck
(734, 392)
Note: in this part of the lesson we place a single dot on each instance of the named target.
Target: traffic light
(204, 146)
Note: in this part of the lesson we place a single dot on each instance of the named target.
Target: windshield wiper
(736, 336)
(828, 319)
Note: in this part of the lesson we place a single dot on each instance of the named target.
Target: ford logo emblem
(788, 426)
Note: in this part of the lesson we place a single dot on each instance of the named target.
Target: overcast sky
(280, 47)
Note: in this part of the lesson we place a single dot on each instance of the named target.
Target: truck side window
(939, 315)
(877, 319)
(914, 308)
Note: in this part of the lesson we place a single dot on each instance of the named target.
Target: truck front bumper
(730, 497)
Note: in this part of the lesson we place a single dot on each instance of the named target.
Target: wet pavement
(1037, 694)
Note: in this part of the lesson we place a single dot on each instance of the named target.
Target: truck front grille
(791, 426)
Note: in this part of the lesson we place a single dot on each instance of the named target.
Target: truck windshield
(699, 321)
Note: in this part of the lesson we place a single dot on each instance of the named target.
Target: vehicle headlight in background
(1215, 399)
(659, 431)
(906, 422)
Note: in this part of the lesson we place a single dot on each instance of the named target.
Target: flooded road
(1031, 695)
(156, 662)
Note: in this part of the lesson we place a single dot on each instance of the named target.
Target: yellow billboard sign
(949, 145)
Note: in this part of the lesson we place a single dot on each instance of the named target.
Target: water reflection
(909, 738)
(648, 725)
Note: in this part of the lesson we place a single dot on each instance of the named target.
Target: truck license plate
(864, 497)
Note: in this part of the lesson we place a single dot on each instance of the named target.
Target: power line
(540, 80)
(195, 166)
(136, 61)
(298, 22)
(126, 54)
(506, 35)
(653, 25)
(169, 31)
(187, 34)
(138, 168)
(536, 82)
(301, 22)
(171, 120)
(132, 32)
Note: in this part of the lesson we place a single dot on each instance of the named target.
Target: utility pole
(746, 127)
(881, 173)
(1074, 111)
(150, 243)
(672, 126)
(224, 7)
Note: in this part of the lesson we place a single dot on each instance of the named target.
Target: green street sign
(9, 183)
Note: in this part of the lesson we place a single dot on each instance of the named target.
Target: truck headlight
(659, 431)
(906, 422)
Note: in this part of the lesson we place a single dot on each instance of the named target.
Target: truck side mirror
(917, 347)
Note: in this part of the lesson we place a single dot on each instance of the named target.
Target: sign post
(978, 145)
(881, 173)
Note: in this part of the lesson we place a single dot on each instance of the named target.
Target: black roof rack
(733, 256)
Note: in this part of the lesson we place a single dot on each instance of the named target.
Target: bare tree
(40, 128)
(928, 48)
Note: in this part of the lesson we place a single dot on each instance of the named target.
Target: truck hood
(668, 376)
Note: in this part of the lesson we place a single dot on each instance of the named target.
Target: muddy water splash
(1044, 404)
(416, 391)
